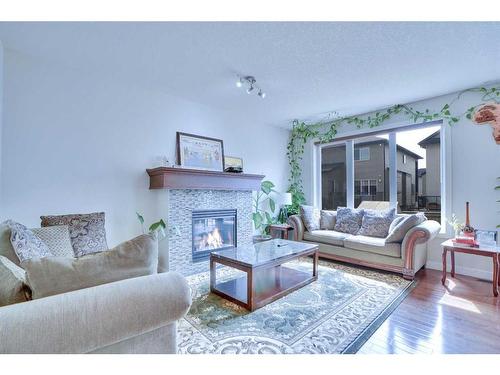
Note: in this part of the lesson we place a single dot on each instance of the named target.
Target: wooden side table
(492, 252)
(280, 230)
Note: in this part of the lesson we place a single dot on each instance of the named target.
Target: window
(333, 177)
(402, 167)
(361, 153)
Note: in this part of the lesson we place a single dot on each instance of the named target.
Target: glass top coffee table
(267, 277)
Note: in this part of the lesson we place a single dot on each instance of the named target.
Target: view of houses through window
(418, 167)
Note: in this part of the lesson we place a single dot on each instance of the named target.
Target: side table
(492, 252)
(280, 231)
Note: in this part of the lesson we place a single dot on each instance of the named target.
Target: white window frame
(446, 166)
(366, 154)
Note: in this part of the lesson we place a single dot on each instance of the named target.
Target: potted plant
(261, 217)
(157, 228)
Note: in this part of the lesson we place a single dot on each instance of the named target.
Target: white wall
(474, 167)
(1, 120)
(75, 143)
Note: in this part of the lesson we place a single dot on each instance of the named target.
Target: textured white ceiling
(307, 69)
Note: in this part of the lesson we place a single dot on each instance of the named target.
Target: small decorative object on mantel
(233, 164)
(198, 152)
(489, 114)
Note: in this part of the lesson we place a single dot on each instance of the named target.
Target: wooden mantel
(181, 178)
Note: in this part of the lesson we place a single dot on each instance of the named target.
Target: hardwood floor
(462, 317)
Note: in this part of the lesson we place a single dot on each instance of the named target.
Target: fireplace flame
(214, 239)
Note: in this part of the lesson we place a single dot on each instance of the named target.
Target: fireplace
(212, 230)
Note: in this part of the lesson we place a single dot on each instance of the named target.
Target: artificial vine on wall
(326, 131)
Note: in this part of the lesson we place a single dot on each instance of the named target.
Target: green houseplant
(261, 217)
(157, 228)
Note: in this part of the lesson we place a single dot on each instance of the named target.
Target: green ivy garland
(326, 131)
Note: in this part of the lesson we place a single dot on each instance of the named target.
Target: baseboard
(460, 270)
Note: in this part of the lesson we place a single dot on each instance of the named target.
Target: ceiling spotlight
(251, 84)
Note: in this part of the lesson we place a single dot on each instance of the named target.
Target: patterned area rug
(335, 314)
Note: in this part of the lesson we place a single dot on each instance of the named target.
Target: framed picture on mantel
(198, 152)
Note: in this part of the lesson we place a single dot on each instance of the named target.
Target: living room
(249, 187)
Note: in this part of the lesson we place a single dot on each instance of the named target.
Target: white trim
(393, 170)
(460, 270)
(316, 176)
(446, 172)
(349, 158)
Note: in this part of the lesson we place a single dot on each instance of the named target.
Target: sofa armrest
(298, 227)
(85, 320)
(414, 246)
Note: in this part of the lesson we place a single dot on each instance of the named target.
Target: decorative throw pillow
(310, 217)
(57, 239)
(396, 221)
(86, 231)
(348, 220)
(25, 243)
(13, 287)
(399, 231)
(55, 275)
(376, 223)
(327, 219)
(6, 248)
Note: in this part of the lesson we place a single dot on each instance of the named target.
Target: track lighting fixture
(251, 84)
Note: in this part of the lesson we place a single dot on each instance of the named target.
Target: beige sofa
(137, 315)
(405, 258)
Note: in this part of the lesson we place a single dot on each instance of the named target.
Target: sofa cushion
(6, 248)
(57, 239)
(86, 231)
(348, 220)
(327, 219)
(399, 231)
(310, 216)
(12, 283)
(376, 223)
(397, 219)
(373, 245)
(55, 275)
(329, 237)
(26, 244)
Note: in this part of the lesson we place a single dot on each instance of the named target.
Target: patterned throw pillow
(310, 217)
(376, 223)
(327, 220)
(57, 239)
(25, 243)
(348, 220)
(398, 233)
(86, 231)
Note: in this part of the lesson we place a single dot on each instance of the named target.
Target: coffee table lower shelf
(264, 287)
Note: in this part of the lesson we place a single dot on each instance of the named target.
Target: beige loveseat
(405, 258)
(134, 315)
(137, 315)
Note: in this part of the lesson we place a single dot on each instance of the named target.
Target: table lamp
(286, 201)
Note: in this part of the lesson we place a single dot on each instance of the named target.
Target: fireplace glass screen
(213, 230)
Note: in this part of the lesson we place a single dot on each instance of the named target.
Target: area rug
(335, 314)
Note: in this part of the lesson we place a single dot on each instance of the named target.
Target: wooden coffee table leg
(452, 254)
(212, 274)
(315, 263)
(250, 290)
(495, 275)
(443, 279)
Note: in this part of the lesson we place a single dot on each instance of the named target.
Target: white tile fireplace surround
(182, 202)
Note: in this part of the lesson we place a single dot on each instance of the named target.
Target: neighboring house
(422, 178)
(432, 185)
(371, 174)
